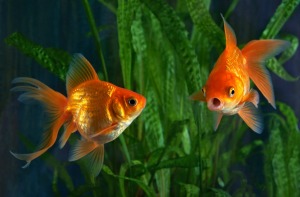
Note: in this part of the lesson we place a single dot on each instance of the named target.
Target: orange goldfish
(227, 90)
(99, 110)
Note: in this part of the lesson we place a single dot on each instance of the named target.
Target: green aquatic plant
(282, 153)
(172, 150)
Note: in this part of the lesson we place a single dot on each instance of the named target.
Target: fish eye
(132, 101)
(203, 91)
(231, 92)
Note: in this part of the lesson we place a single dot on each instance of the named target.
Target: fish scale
(99, 110)
(227, 90)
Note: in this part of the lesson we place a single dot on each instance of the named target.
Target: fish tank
(164, 51)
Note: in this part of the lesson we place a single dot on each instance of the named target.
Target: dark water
(63, 24)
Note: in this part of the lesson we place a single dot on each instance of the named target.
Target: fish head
(127, 105)
(223, 92)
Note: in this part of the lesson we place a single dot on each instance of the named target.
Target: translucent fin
(81, 148)
(217, 119)
(252, 117)
(198, 96)
(28, 157)
(70, 127)
(80, 71)
(105, 131)
(95, 160)
(54, 103)
(252, 97)
(256, 53)
(229, 35)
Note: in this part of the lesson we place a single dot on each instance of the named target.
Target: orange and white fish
(227, 90)
(99, 110)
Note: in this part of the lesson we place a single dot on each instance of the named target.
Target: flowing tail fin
(256, 53)
(54, 104)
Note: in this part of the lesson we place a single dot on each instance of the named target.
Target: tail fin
(54, 103)
(256, 53)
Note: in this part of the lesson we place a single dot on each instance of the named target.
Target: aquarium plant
(166, 51)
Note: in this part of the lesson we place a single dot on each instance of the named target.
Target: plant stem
(95, 34)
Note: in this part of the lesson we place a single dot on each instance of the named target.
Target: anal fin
(81, 148)
(69, 129)
(94, 160)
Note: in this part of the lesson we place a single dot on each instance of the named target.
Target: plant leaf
(148, 190)
(55, 60)
(282, 14)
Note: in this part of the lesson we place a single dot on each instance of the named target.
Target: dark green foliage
(95, 36)
(172, 150)
(55, 60)
(282, 14)
(282, 154)
(205, 24)
(174, 30)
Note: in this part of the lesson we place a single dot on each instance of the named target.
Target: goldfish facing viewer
(99, 110)
(227, 90)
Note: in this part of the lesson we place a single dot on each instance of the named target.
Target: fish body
(98, 110)
(227, 90)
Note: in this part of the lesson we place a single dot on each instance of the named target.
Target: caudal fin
(54, 104)
(256, 53)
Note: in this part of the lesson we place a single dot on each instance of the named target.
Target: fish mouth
(215, 104)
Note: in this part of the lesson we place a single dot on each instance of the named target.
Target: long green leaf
(205, 24)
(125, 13)
(282, 14)
(149, 191)
(274, 65)
(289, 52)
(55, 60)
(95, 34)
(174, 29)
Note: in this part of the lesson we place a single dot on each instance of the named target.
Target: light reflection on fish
(227, 90)
(99, 110)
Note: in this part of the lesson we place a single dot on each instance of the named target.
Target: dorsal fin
(229, 35)
(80, 70)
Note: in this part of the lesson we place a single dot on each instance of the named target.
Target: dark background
(63, 24)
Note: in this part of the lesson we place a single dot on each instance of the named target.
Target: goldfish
(227, 90)
(98, 110)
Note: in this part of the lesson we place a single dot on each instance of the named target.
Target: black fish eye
(231, 92)
(132, 102)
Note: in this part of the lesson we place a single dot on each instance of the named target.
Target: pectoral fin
(198, 96)
(69, 129)
(252, 117)
(217, 119)
(252, 97)
(103, 134)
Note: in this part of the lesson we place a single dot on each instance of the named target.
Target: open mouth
(214, 104)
